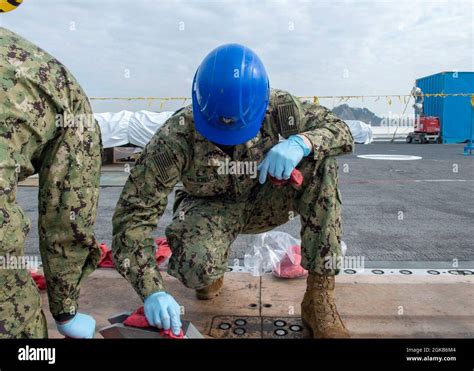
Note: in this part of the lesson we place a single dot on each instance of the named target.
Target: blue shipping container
(456, 113)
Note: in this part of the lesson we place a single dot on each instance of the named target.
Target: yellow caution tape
(315, 99)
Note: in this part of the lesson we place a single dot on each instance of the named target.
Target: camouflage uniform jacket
(177, 152)
(39, 97)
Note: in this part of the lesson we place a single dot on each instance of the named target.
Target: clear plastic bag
(275, 252)
(267, 250)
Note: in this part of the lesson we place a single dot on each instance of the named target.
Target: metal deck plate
(248, 327)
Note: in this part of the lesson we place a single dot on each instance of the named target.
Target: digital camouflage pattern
(46, 127)
(214, 207)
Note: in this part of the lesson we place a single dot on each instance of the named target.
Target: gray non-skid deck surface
(438, 212)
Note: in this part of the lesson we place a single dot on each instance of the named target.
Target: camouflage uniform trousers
(21, 315)
(203, 229)
(20, 303)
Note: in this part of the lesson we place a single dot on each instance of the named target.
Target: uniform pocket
(14, 227)
(11, 281)
(206, 184)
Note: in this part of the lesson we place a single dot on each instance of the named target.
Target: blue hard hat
(230, 95)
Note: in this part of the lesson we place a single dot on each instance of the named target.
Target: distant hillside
(346, 112)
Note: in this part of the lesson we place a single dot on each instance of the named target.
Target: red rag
(106, 260)
(39, 280)
(163, 251)
(296, 178)
(287, 269)
(138, 319)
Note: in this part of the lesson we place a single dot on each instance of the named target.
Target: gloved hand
(81, 326)
(162, 311)
(283, 158)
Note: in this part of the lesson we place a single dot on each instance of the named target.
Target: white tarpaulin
(137, 128)
(124, 127)
(114, 127)
(144, 124)
(361, 132)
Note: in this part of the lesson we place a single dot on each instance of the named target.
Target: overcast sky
(152, 47)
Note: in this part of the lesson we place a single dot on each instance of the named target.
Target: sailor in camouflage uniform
(234, 120)
(46, 128)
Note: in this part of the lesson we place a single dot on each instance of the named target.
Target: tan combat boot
(211, 291)
(318, 309)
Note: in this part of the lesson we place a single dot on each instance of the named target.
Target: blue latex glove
(162, 311)
(81, 326)
(283, 158)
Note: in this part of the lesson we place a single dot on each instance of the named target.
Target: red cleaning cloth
(296, 178)
(162, 254)
(290, 269)
(39, 280)
(106, 260)
(163, 251)
(138, 319)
